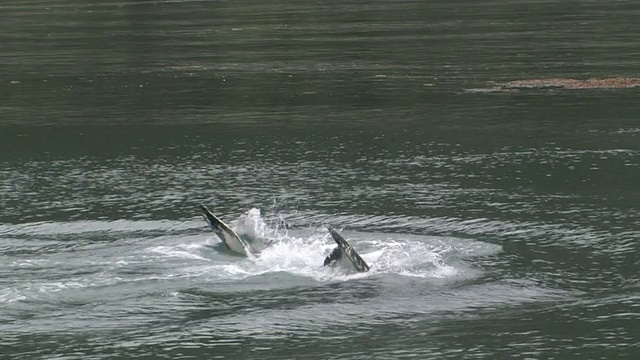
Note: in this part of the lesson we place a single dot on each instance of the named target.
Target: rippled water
(496, 225)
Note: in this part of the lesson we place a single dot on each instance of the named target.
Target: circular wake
(301, 253)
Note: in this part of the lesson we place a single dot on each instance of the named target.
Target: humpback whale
(344, 254)
(229, 237)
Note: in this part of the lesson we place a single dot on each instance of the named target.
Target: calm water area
(498, 223)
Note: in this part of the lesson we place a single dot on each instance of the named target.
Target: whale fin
(225, 233)
(344, 249)
(334, 257)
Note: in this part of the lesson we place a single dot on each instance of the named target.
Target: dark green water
(497, 224)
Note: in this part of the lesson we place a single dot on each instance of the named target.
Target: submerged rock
(568, 83)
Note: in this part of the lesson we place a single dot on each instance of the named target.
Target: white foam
(304, 256)
(186, 250)
(302, 252)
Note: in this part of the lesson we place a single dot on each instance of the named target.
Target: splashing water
(119, 252)
(301, 252)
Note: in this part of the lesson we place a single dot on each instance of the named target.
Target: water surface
(497, 224)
